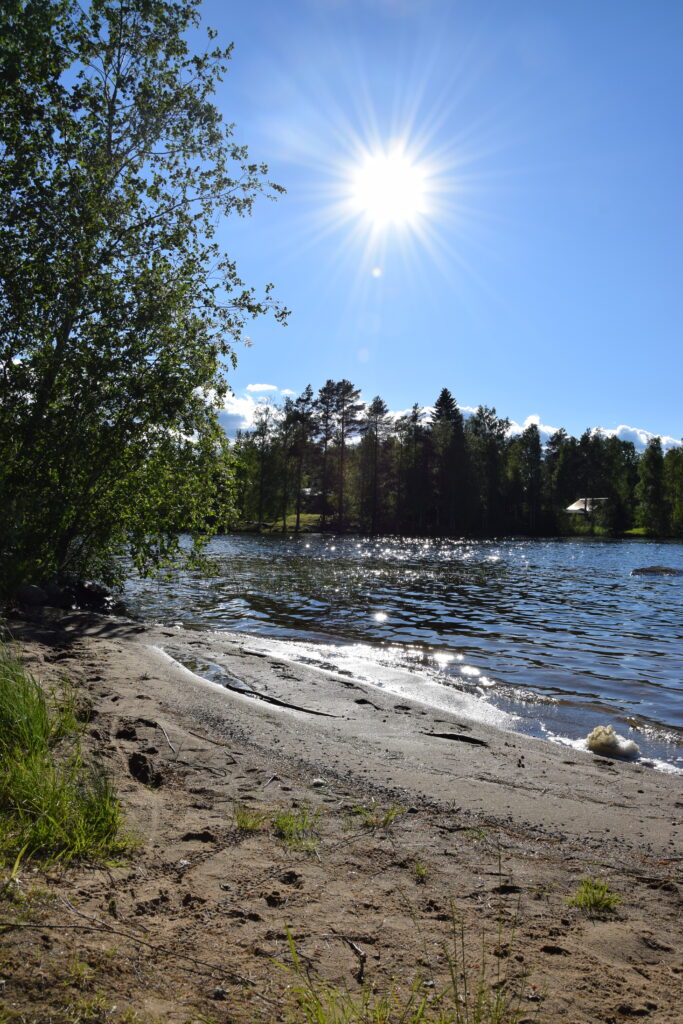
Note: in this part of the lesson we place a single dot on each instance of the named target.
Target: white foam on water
(382, 668)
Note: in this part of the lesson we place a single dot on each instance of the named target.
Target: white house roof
(584, 505)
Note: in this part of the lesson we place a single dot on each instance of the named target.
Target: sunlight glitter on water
(557, 633)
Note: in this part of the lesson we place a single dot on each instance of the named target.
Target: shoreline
(562, 653)
(502, 823)
(345, 728)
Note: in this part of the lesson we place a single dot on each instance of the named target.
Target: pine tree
(375, 428)
(524, 479)
(347, 420)
(673, 489)
(449, 467)
(325, 409)
(486, 437)
(304, 419)
(652, 506)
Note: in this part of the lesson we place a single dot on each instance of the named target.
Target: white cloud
(638, 436)
(533, 420)
(238, 414)
(425, 413)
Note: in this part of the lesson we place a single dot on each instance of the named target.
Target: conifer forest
(346, 465)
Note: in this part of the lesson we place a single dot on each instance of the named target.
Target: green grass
(309, 522)
(54, 805)
(421, 871)
(297, 828)
(594, 897)
(374, 817)
(246, 819)
(27, 723)
(475, 993)
(477, 834)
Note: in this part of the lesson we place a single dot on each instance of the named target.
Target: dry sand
(503, 826)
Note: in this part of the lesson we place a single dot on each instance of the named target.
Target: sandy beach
(419, 815)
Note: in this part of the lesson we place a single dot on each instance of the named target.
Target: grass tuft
(475, 993)
(421, 871)
(246, 819)
(297, 828)
(594, 897)
(373, 817)
(53, 804)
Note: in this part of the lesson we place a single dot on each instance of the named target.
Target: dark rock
(82, 594)
(57, 597)
(657, 570)
(92, 596)
(31, 596)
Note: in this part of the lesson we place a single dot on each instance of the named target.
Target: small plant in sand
(475, 993)
(477, 834)
(374, 817)
(594, 897)
(421, 871)
(297, 828)
(247, 819)
(77, 973)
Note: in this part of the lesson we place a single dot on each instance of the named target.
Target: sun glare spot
(389, 188)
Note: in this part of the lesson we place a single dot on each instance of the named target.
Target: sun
(389, 188)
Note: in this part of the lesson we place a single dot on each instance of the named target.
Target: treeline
(358, 468)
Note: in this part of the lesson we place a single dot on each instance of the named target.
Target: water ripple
(560, 621)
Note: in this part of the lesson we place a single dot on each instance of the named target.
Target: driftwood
(458, 736)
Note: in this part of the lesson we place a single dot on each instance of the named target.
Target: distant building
(585, 506)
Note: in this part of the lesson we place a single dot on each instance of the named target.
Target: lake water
(550, 637)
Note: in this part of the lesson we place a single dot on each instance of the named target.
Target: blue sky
(543, 272)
